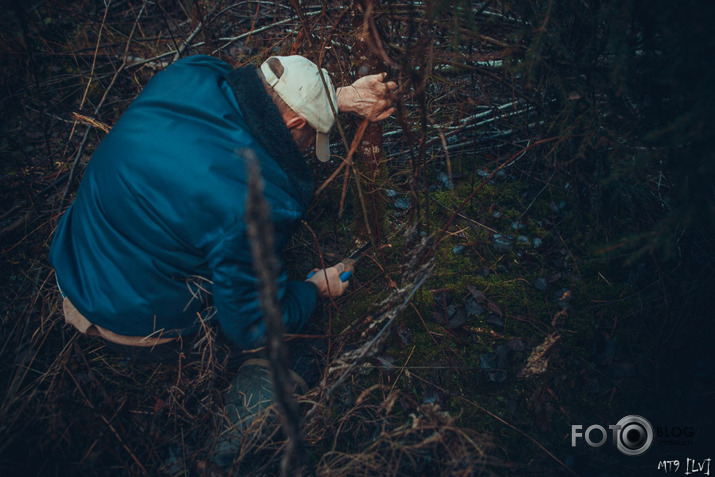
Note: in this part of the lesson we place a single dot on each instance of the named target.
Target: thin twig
(101, 102)
(106, 421)
(81, 104)
(196, 31)
(506, 163)
(506, 423)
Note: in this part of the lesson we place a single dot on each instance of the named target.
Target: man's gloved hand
(333, 281)
(369, 97)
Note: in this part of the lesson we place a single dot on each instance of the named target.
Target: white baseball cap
(302, 89)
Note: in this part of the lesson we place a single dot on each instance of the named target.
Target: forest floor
(530, 321)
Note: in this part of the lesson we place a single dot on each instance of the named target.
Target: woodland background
(542, 211)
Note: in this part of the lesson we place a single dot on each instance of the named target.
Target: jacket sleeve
(235, 294)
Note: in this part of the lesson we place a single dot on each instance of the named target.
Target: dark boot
(249, 397)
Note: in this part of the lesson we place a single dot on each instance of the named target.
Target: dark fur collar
(267, 126)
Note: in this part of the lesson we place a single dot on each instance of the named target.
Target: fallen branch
(418, 267)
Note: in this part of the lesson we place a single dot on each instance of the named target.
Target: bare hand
(369, 97)
(328, 280)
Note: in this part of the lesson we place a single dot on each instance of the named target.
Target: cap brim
(322, 147)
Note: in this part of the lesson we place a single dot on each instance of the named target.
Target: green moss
(450, 359)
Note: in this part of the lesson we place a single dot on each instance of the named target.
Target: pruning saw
(358, 253)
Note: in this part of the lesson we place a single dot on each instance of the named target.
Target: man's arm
(369, 97)
(235, 295)
(235, 292)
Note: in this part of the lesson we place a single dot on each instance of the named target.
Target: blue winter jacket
(159, 214)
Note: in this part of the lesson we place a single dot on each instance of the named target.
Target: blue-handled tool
(344, 277)
(357, 255)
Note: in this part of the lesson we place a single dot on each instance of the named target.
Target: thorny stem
(261, 238)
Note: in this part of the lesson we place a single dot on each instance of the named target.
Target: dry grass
(472, 84)
(68, 405)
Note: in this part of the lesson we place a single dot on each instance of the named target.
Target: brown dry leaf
(480, 297)
(366, 393)
(494, 308)
(159, 405)
(477, 294)
(566, 296)
(90, 122)
(389, 402)
(559, 318)
(485, 331)
(538, 363)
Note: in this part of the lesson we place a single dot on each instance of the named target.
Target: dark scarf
(267, 127)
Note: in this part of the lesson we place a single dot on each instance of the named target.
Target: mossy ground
(598, 371)
(620, 151)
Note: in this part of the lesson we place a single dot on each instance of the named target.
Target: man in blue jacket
(155, 242)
